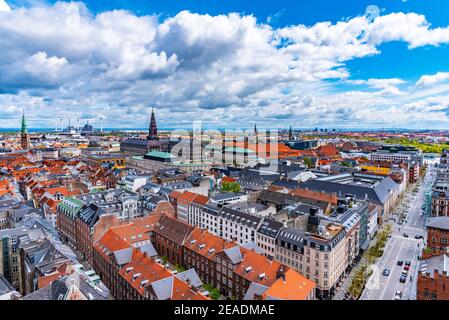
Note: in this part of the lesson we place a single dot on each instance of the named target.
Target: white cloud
(195, 66)
(430, 80)
(4, 7)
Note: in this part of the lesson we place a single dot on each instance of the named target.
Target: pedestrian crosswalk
(396, 236)
(413, 229)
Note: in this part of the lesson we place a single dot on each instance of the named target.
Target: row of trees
(369, 258)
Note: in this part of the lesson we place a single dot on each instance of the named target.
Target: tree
(308, 162)
(214, 293)
(230, 187)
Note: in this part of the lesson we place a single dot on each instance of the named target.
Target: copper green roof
(24, 124)
(159, 154)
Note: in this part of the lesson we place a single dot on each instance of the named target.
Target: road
(398, 247)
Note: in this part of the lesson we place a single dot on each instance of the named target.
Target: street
(399, 247)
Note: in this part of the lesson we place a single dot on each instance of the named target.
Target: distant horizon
(330, 129)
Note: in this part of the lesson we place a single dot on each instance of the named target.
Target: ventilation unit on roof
(211, 251)
(261, 276)
(248, 269)
(192, 242)
(202, 246)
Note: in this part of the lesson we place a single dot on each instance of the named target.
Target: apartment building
(320, 256)
(266, 237)
(225, 222)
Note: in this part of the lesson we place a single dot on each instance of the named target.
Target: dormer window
(201, 246)
(143, 283)
(135, 276)
(248, 269)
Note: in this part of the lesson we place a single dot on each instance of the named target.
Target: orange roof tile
(110, 242)
(315, 195)
(294, 287)
(212, 243)
(257, 265)
(228, 179)
(142, 268)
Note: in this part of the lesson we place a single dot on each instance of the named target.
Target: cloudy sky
(231, 63)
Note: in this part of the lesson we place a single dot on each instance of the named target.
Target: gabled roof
(234, 254)
(109, 243)
(141, 271)
(438, 223)
(207, 244)
(173, 288)
(173, 229)
(378, 194)
(314, 195)
(191, 277)
(292, 287)
(90, 214)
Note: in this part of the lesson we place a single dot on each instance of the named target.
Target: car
(405, 235)
(400, 262)
(408, 263)
(418, 236)
(403, 279)
(406, 268)
(398, 295)
(386, 272)
(400, 222)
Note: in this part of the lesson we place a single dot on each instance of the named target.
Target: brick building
(170, 236)
(433, 281)
(200, 249)
(88, 217)
(438, 234)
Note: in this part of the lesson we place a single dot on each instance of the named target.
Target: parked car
(406, 267)
(408, 263)
(400, 262)
(398, 295)
(418, 236)
(386, 272)
(403, 279)
(405, 235)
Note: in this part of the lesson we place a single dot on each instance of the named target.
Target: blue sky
(227, 63)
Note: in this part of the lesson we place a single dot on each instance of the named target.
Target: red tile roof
(142, 268)
(211, 244)
(315, 195)
(293, 287)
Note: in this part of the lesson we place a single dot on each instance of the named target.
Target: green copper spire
(24, 123)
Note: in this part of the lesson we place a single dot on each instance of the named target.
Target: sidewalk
(340, 292)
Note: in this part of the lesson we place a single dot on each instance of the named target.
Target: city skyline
(229, 65)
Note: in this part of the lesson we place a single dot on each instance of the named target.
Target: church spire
(24, 123)
(153, 127)
(290, 134)
(24, 137)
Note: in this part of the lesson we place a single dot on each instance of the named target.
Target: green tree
(308, 162)
(214, 293)
(230, 187)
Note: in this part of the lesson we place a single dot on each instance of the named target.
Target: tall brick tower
(153, 127)
(24, 136)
